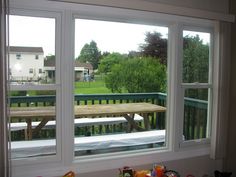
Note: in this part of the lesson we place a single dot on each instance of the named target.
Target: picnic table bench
(82, 122)
(46, 147)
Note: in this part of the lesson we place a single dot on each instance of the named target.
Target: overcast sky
(112, 36)
(109, 36)
(33, 32)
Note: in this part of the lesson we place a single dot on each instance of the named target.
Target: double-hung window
(34, 103)
(196, 85)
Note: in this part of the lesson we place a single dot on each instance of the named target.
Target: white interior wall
(209, 5)
(212, 5)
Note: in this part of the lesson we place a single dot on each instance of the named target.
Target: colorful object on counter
(142, 173)
(159, 170)
(171, 173)
(126, 172)
(69, 174)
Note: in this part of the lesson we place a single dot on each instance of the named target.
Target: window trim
(65, 17)
(196, 85)
(56, 86)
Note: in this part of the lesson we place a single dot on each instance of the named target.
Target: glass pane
(32, 50)
(196, 57)
(33, 123)
(120, 73)
(196, 119)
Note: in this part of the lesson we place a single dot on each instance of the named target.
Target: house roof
(17, 49)
(85, 65)
(51, 63)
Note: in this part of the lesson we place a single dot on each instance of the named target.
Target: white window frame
(184, 86)
(64, 161)
(56, 86)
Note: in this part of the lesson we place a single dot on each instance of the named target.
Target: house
(29, 64)
(26, 63)
(196, 162)
(82, 70)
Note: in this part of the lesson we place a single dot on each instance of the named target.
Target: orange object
(160, 170)
(69, 174)
(142, 173)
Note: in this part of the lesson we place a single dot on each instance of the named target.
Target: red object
(160, 170)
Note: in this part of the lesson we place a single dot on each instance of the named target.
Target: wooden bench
(82, 122)
(21, 149)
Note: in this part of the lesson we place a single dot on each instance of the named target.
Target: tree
(155, 46)
(195, 60)
(133, 54)
(50, 58)
(195, 65)
(90, 53)
(108, 61)
(137, 75)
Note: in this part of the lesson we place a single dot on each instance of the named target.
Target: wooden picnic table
(126, 110)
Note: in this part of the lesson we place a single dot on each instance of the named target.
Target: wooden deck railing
(195, 111)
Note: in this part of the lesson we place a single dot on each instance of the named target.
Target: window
(121, 65)
(30, 40)
(96, 60)
(18, 56)
(30, 135)
(31, 70)
(196, 84)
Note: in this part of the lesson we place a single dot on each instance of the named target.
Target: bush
(137, 75)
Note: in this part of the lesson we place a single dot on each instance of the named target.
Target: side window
(30, 130)
(196, 84)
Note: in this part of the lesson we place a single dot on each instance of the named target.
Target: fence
(195, 112)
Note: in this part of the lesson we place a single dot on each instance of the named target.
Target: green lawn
(93, 87)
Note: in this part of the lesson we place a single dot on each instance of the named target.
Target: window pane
(120, 73)
(196, 57)
(196, 119)
(32, 46)
(33, 123)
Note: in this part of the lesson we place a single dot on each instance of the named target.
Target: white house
(26, 63)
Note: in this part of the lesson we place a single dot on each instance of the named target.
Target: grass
(93, 87)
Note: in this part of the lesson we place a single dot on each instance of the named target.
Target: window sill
(98, 163)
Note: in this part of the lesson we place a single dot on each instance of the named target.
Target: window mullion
(67, 65)
(174, 85)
